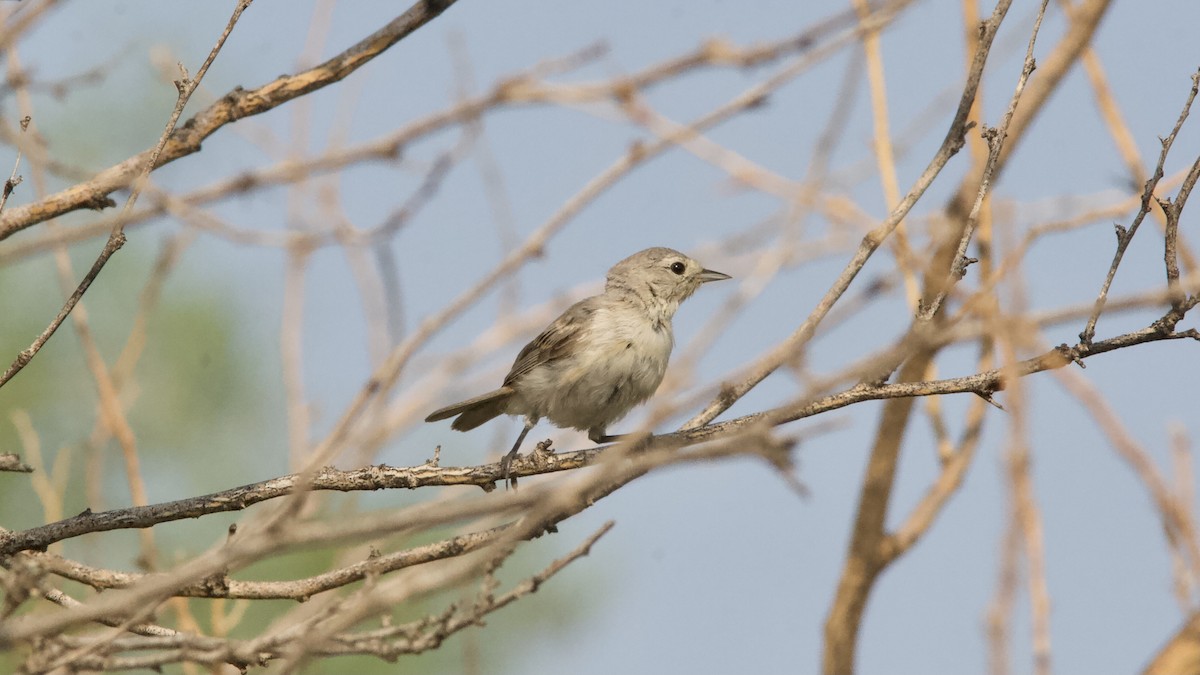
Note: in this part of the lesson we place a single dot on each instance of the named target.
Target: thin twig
(116, 239)
(235, 105)
(1124, 235)
(13, 179)
(296, 589)
(787, 350)
(995, 138)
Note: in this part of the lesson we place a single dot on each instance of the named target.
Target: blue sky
(719, 567)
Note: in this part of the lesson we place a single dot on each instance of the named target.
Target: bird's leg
(507, 460)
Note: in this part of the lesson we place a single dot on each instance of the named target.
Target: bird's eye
(678, 267)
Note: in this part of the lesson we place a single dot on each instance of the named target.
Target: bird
(604, 355)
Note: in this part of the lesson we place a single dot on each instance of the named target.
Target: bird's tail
(474, 411)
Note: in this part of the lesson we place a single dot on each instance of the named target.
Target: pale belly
(603, 381)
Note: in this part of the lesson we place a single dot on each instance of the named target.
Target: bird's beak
(712, 275)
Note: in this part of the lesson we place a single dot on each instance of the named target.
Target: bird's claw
(506, 469)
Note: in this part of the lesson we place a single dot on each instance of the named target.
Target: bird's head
(661, 277)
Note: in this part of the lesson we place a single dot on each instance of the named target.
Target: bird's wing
(556, 342)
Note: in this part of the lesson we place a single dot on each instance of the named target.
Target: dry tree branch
(1171, 248)
(520, 89)
(788, 350)
(956, 458)
(664, 450)
(1125, 235)
(1181, 654)
(1122, 136)
(1003, 599)
(448, 561)
(233, 106)
(13, 179)
(388, 643)
(1177, 523)
(865, 559)
(139, 171)
(996, 138)
(147, 629)
(991, 279)
(485, 476)
(884, 151)
(541, 507)
(296, 589)
(49, 483)
(1084, 22)
(1185, 579)
(17, 21)
(111, 415)
(1024, 510)
(384, 377)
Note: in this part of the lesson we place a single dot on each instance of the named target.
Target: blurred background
(712, 568)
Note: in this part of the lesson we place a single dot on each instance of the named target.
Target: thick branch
(486, 476)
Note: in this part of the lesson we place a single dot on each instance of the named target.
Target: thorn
(960, 269)
(987, 396)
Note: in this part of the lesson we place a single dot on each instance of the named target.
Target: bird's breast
(631, 344)
(619, 362)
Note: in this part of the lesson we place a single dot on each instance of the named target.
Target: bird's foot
(538, 455)
(506, 469)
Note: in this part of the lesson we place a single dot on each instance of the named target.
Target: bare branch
(486, 476)
(116, 239)
(231, 107)
(1125, 235)
(791, 347)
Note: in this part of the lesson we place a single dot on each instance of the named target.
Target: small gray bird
(603, 356)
